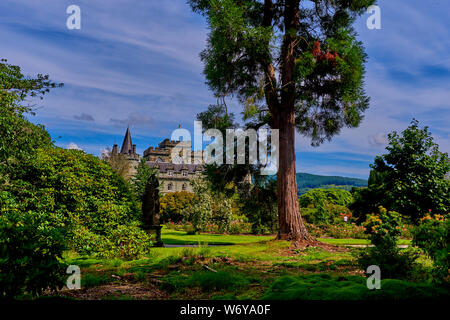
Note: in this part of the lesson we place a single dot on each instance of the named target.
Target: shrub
(239, 225)
(201, 210)
(318, 197)
(346, 230)
(31, 246)
(173, 206)
(432, 236)
(325, 206)
(384, 230)
(222, 212)
(95, 202)
(127, 242)
(259, 204)
(339, 231)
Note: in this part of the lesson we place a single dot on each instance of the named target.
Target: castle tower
(127, 153)
(127, 145)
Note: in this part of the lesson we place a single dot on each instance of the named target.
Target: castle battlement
(176, 176)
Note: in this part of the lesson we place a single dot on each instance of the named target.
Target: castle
(174, 175)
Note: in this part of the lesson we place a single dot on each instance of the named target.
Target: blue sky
(137, 62)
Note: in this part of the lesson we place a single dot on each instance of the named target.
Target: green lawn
(180, 237)
(253, 267)
(174, 237)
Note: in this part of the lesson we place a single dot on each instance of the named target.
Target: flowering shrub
(432, 235)
(340, 231)
(384, 230)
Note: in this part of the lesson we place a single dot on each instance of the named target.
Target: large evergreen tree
(293, 64)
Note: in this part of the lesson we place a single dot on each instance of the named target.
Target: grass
(248, 267)
(174, 237)
(327, 287)
(180, 238)
(357, 241)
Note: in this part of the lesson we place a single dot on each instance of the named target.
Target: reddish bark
(291, 226)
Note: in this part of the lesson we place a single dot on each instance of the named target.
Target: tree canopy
(293, 65)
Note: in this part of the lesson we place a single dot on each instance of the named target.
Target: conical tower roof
(127, 145)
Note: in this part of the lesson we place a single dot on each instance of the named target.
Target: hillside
(307, 181)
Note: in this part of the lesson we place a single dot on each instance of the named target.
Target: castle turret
(127, 145)
(114, 149)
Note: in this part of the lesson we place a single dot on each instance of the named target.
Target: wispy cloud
(137, 63)
(84, 117)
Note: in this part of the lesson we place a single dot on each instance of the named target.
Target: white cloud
(379, 139)
(73, 146)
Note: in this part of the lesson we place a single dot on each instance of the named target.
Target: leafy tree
(31, 248)
(174, 204)
(384, 230)
(224, 175)
(222, 208)
(259, 205)
(19, 138)
(119, 162)
(432, 235)
(31, 237)
(140, 179)
(294, 64)
(201, 210)
(412, 177)
(334, 196)
(325, 206)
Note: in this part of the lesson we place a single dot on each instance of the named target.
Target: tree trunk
(291, 225)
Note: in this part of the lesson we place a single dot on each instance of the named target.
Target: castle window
(185, 173)
(184, 187)
(170, 186)
(170, 173)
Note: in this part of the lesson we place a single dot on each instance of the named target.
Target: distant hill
(307, 181)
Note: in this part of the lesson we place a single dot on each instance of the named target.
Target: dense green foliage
(326, 206)
(208, 206)
(432, 235)
(201, 210)
(31, 246)
(306, 181)
(411, 178)
(384, 230)
(53, 199)
(244, 44)
(140, 179)
(173, 205)
(326, 287)
(259, 205)
(333, 196)
(30, 236)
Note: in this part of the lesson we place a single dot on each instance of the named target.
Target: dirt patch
(134, 291)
